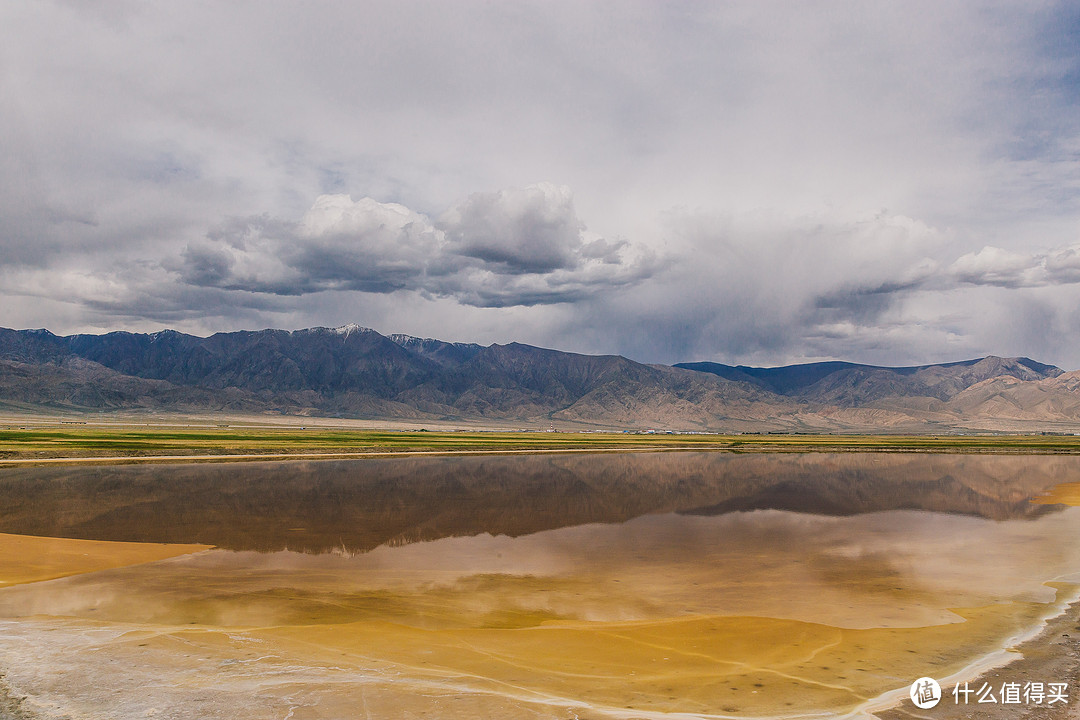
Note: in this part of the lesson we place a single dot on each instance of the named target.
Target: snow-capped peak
(347, 330)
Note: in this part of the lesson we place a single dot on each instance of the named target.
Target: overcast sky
(746, 182)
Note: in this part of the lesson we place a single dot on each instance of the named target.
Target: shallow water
(635, 585)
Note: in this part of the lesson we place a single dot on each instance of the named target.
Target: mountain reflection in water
(358, 505)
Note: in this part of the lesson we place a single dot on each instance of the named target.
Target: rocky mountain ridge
(356, 372)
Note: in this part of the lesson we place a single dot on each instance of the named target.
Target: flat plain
(243, 439)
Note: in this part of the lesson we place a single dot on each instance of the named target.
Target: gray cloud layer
(513, 247)
(751, 181)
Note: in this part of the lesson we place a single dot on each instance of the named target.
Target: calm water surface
(630, 585)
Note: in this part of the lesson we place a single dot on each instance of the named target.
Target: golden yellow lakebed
(26, 558)
(1064, 494)
(702, 664)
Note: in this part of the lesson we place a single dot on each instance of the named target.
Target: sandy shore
(10, 704)
(1052, 656)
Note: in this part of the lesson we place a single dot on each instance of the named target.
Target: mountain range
(356, 372)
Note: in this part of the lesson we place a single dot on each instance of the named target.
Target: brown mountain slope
(1054, 399)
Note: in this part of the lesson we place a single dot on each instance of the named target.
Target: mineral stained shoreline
(1051, 656)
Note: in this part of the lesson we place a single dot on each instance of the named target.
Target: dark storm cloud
(765, 285)
(518, 247)
(858, 304)
(178, 304)
(366, 246)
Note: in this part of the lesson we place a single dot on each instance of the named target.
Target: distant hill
(852, 385)
(356, 372)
